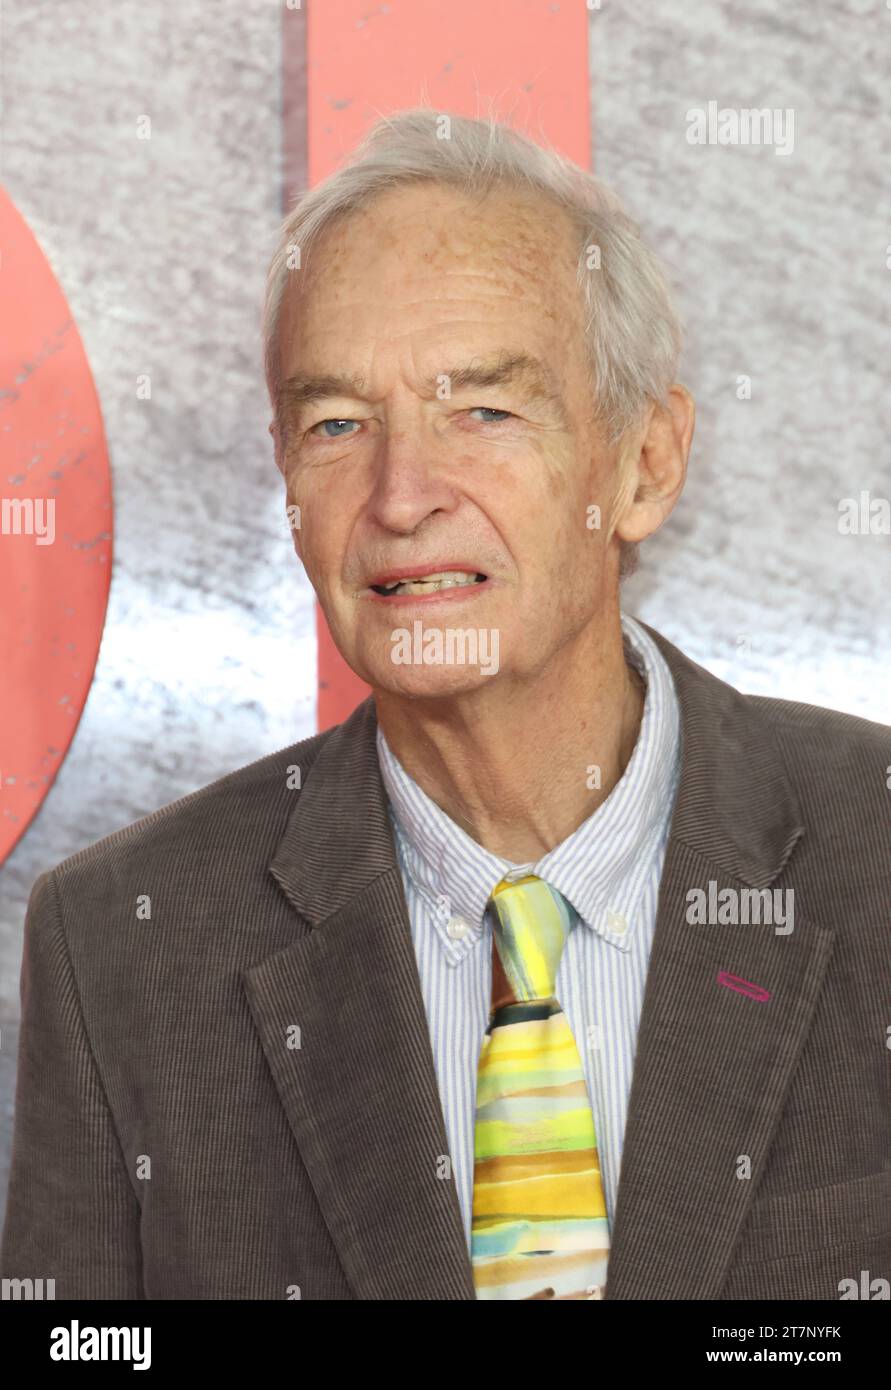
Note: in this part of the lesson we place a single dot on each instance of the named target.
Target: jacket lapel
(360, 1091)
(713, 1063)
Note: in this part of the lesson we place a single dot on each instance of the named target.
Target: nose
(410, 481)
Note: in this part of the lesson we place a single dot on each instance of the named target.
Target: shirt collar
(601, 868)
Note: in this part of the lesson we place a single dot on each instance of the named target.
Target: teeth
(448, 579)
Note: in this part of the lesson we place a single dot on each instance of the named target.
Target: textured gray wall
(208, 658)
(780, 266)
(208, 655)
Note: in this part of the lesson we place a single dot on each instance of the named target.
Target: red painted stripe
(54, 578)
(524, 61)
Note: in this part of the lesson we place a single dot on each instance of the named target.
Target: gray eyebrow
(303, 388)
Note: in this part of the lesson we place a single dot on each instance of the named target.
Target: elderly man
(560, 969)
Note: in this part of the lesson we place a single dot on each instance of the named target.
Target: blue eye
(494, 417)
(323, 423)
(490, 410)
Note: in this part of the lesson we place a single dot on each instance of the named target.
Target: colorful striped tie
(540, 1227)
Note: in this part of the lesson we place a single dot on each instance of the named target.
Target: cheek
(558, 484)
(324, 540)
(563, 495)
(560, 561)
(301, 493)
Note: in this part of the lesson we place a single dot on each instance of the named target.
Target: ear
(654, 469)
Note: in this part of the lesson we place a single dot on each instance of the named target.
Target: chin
(430, 682)
(430, 660)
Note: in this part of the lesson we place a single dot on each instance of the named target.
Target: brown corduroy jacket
(226, 1087)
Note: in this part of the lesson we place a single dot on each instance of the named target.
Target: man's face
(420, 464)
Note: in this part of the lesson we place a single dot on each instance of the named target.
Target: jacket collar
(735, 804)
(712, 1064)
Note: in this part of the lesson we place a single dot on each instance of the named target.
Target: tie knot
(531, 921)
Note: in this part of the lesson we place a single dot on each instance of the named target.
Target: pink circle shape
(55, 526)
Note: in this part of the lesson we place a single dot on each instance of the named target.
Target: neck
(511, 762)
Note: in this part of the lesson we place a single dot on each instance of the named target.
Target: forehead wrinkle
(303, 388)
(505, 369)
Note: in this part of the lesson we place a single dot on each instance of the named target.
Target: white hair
(631, 327)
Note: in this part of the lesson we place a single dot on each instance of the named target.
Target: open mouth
(429, 584)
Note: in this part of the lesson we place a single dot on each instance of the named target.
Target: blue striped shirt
(608, 869)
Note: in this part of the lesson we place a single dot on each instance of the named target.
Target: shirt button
(616, 923)
(458, 928)
(595, 1290)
